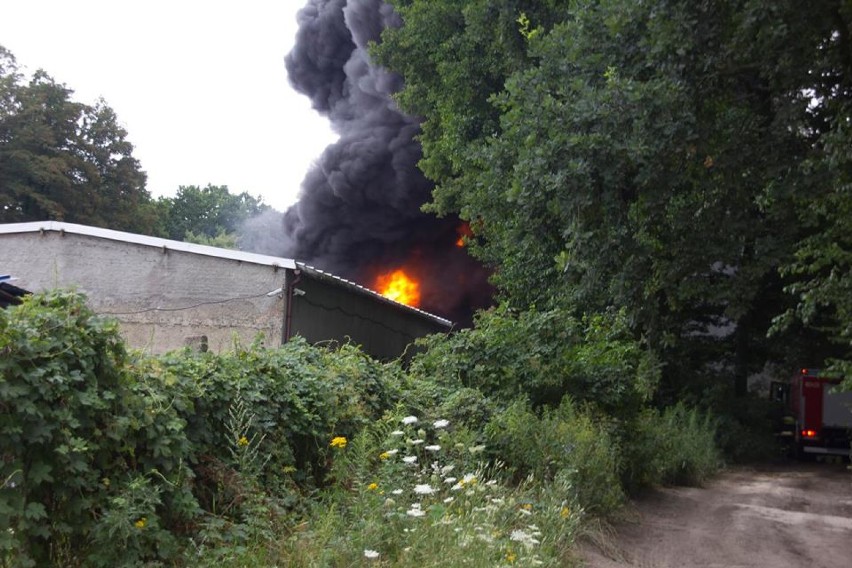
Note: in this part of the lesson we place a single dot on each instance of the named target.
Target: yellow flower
(338, 442)
(384, 455)
(565, 512)
(243, 441)
(527, 506)
(140, 524)
(373, 486)
(511, 556)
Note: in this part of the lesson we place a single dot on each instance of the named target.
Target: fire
(399, 286)
(464, 233)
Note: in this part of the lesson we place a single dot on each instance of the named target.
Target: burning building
(170, 294)
(359, 213)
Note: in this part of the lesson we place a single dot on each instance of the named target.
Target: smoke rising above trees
(359, 211)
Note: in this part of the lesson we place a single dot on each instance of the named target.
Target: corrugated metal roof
(316, 272)
(192, 248)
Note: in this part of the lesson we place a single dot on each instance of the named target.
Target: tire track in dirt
(791, 515)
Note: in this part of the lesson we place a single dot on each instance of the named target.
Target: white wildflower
(468, 478)
(433, 448)
(409, 420)
(392, 452)
(491, 482)
(370, 553)
(523, 537)
(397, 433)
(397, 491)
(415, 511)
(416, 442)
(424, 489)
(410, 459)
(451, 480)
(449, 499)
(447, 469)
(438, 424)
(477, 449)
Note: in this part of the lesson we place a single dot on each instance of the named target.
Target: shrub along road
(781, 516)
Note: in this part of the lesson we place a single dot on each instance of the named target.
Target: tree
(651, 156)
(64, 160)
(211, 215)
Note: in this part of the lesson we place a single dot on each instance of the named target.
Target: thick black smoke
(359, 210)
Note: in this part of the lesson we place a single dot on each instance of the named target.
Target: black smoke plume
(359, 209)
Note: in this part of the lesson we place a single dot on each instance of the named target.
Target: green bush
(466, 406)
(87, 455)
(564, 443)
(299, 396)
(676, 446)
(109, 460)
(747, 428)
(543, 356)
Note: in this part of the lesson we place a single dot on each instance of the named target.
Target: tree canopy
(65, 160)
(685, 161)
(210, 215)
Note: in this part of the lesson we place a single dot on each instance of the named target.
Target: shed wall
(129, 280)
(327, 311)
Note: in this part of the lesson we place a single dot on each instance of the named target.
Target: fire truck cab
(821, 414)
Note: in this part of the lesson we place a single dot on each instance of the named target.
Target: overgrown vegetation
(684, 161)
(662, 189)
(309, 457)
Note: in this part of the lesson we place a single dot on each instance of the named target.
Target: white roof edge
(370, 292)
(192, 248)
(86, 230)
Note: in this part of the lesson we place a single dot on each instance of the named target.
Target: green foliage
(562, 443)
(64, 160)
(85, 452)
(671, 167)
(544, 356)
(99, 448)
(221, 239)
(747, 429)
(210, 215)
(447, 508)
(675, 446)
(301, 455)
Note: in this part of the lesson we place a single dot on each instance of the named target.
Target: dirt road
(795, 515)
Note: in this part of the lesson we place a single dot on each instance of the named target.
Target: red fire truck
(821, 414)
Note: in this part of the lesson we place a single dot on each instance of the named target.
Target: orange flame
(464, 233)
(399, 286)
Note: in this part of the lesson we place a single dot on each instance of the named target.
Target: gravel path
(793, 515)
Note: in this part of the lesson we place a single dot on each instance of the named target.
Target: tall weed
(565, 443)
(675, 446)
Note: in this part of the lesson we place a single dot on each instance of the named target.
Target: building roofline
(192, 248)
(321, 274)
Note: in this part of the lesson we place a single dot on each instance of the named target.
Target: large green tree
(668, 157)
(210, 215)
(64, 160)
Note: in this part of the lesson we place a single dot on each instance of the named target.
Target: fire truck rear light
(809, 433)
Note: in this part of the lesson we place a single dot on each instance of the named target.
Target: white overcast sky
(200, 86)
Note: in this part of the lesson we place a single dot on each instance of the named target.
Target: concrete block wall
(163, 298)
